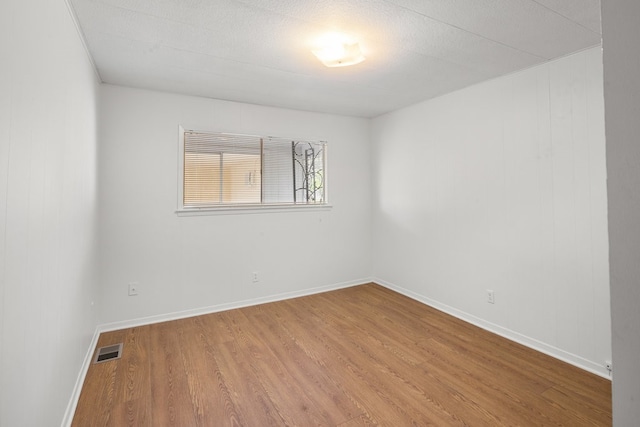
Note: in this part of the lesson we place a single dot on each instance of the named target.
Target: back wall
(191, 262)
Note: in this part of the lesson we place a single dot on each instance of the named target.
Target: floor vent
(109, 352)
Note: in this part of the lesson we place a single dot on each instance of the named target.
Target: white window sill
(250, 209)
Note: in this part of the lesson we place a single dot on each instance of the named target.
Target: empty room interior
(381, 212)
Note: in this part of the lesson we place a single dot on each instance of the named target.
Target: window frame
(244, 207)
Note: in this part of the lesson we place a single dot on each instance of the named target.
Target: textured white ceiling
(259, 51)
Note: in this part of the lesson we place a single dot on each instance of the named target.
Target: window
(222, 170)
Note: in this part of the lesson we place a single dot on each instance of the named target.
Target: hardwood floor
(354, 357)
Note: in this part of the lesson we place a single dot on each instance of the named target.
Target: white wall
(48, 95)
(621, 33)
(185, 263)
(502, 186)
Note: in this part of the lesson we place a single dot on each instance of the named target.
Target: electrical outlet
(133, 289)
(491, 296)
(255, 277)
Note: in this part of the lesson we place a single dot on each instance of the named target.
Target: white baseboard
(540, 346)
(114, 326)
(77, 388)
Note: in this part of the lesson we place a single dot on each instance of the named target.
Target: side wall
(502, 186)
(621, 33)
(186, 263)
(48, 100)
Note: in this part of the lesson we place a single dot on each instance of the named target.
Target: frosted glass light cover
(340, 54)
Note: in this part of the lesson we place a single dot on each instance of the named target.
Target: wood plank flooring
(360, 356)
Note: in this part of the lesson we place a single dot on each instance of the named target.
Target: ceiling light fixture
(338, 50)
